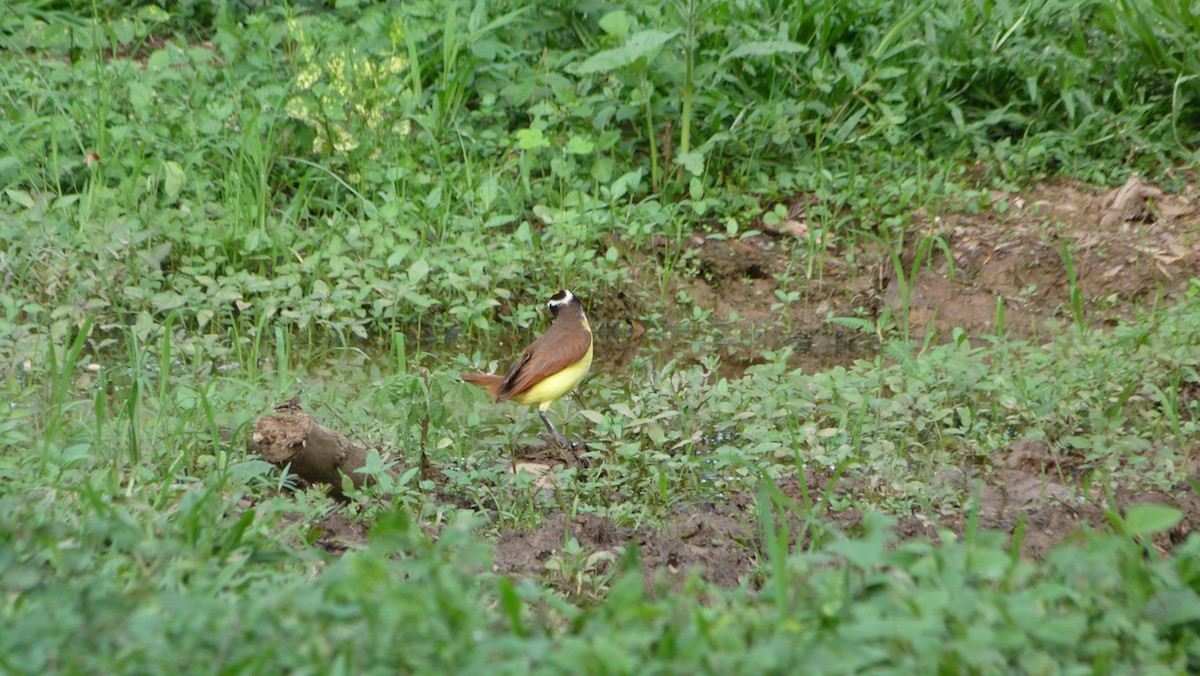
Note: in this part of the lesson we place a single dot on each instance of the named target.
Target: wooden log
(315, 453)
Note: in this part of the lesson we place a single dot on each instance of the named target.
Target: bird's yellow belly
(557, 385)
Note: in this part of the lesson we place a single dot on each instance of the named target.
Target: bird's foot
(570, 452)
(575, 445)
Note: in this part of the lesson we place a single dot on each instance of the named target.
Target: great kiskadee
(550, 367)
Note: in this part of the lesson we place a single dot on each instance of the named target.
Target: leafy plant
(207, 210)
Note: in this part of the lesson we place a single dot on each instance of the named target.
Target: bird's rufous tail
(488, 381)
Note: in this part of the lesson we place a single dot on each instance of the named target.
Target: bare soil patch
(335, 533)
(1130, 246)
(1030, 481)
(711, 539)
(721, 541)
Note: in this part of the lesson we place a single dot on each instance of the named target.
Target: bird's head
(561, 300)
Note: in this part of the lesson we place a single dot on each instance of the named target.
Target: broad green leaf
(153, 13)
(373, 465)
(487, 192)
(399, 254)
(616, 24)
(524, 233)
(956, 114)
(432, 200)
(1148, 519)
(761, 48)
(140, 96)
(244, 472)
(186, 397)
(418, 270)
(64, 202)
(625, 184)
(693, 162)
(167, 300)
(159, 58)
(123, 30)
(602, 169)
(157, 254)
(20, 197)
(252, 239)
(595, 417)
(200, 54)
(561, 168)
(656, 433)
(580, 146)
(624, 410)
(531, 139)
(173, 179)
(890, 73)
(1173, 609)
(547, 215)
(640, 44)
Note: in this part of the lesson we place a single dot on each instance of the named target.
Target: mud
(335, 533)
(1130, 247)
(1054, 500)
(1126, 252)
(712, 540)
(720, 540)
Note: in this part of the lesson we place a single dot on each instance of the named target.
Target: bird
(550, 367)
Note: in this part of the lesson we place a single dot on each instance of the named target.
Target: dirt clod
(1130, 203)
(708, 539)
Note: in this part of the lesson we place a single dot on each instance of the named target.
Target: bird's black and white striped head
(561, 300)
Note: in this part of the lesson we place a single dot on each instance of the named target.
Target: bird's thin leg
(562, 441)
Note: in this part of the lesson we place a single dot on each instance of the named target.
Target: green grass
(350, 185)
(412, 604)
(207, 211)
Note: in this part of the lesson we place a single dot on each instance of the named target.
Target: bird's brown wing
(553, 352)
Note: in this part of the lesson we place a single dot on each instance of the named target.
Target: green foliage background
(206, 209)
(349, 172)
